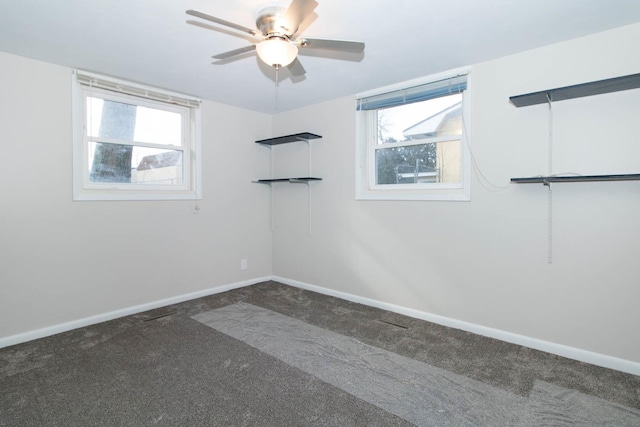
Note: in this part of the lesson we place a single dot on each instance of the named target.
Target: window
(411, 141)
(133, 142)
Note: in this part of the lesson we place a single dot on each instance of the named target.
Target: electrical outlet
(243, 264)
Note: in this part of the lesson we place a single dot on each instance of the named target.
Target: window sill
(93, 195)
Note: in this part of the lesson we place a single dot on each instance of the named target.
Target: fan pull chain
(277, 67)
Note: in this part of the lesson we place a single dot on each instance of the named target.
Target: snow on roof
(162, 160)
(430, 125)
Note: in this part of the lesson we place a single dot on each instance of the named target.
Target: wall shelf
(632, 81)
(599, 87)
(576, 178)
(549, 96)
(287, 139)
(304, 136)
(302, 180)
(296, 137)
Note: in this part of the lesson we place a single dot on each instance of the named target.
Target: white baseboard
(537, 344)
(80, 323)
(534, 343)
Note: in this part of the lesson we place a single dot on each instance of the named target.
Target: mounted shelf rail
(599, 87)
(296, 137)
(302, 180)
(576, 178)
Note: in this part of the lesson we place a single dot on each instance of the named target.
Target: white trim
(188, 108)
(581, 355)
(365, 157)
(586, 356)
(196, 156)
(92, 320)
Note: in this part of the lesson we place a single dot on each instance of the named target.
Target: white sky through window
(152, 126)
(395, 120)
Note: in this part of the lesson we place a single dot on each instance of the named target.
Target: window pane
(431, 118)
(419, 164)
(132, 164)
(158, 126)
(111, 119)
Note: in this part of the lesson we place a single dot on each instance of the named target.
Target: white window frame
(366, 145)
(86, 84)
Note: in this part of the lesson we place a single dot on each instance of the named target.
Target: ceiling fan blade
(247, 37)
(208, 17)
(297, 12)
(296, 69)
(342, 45)
(231, 53)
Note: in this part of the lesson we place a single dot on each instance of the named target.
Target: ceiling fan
(276, 38)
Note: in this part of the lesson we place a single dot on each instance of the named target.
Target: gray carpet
(415, 391)
(274, 355)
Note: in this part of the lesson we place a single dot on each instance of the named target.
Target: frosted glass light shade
(277, 52)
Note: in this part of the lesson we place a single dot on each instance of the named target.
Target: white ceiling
(148, 41)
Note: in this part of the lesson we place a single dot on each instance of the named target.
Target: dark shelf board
(599, 87)
(304, 136)
(576, 178)
(291, 180)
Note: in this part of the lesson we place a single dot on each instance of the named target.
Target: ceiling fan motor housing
(272, 23)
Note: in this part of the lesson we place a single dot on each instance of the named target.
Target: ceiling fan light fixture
(277, 52)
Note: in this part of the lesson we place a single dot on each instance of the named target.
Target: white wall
(61, 261)
(485, 261)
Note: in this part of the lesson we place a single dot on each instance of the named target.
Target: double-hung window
(133, 142)
(411, 140)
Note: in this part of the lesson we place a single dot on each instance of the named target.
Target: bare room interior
(363, 213)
